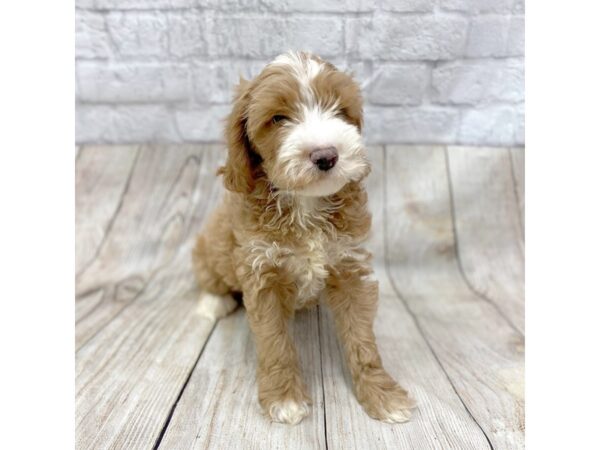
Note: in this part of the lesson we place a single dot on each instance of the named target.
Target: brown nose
(324, 158)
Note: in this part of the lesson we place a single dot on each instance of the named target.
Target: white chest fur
(306, 260)
(308, 265)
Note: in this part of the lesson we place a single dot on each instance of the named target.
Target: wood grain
(101, 178)
(168, 192)
(134, 363)
(478, 349)
(517, 159)
(448, 253)
(219, 408)
(130, 374)
(488, 227)
(441, 420)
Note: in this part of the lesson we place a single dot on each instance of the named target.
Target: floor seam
(459, 263)
(322, 377)
(112, 218)
(408, 309)
(520, 200)
(167, 422)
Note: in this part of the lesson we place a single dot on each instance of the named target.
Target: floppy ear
(237, 171)
(356, 108)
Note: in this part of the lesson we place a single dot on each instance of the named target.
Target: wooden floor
(448, 242)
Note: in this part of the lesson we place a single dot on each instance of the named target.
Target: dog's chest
(308, 265)
(306, 256)
(304, 262)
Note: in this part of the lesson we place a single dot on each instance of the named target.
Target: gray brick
(407, 5)
(406, 37)
(143, 4)
(516, 37)
(124, 124)
(519, 7)
(232, 5)
(139, 34)
(187, 34)
(214, 82)
(320, 5)
(520, 125)
(77, 89)
(91, 39)
(140, 82)
(401, 84)
(495, 125)
(85, 4)
(241, 36)
(488, 36)
(475, 83)
(93, 124)
(478, 6)
(410, 125)
(361, 71)
(202, 125)
(152, 69)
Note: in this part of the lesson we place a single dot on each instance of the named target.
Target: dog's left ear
(350, 91)
(355, 109)
(238, 171)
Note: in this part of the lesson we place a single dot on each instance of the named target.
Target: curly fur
(287, 234)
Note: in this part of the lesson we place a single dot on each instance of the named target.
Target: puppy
(290, 229)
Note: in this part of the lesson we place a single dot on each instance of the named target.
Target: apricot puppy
(290, 228)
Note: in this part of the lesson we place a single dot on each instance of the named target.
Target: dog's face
(298, 123)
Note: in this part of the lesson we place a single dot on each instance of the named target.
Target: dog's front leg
(352, 296)
(281, 392)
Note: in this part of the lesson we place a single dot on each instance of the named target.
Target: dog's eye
(342, 113)
(278, 119)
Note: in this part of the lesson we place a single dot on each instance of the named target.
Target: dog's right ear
(237, 171)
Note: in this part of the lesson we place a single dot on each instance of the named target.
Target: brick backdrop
(432, 71)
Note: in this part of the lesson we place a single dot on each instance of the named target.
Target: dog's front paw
(288, 411)
(390, 404)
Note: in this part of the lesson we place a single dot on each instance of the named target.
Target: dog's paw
(215, 307)
(288, 411)
(399, 414)
(390, 405)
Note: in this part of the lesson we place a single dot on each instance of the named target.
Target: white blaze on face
(320, 129)
(304, 70)
(316, 128)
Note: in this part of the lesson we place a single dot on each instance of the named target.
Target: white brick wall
(432, 71)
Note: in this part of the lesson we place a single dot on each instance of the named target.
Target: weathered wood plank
(219, 408)
(479, 350)
(130, 374)
(140, 338)
(131, 368)
(517, 155)
(441, 420)
(488, 227)
(101, 177)
(168, 192)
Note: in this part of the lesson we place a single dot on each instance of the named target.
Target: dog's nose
(324, 158)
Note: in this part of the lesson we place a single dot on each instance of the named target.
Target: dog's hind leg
(215, 300)
(212, 259)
